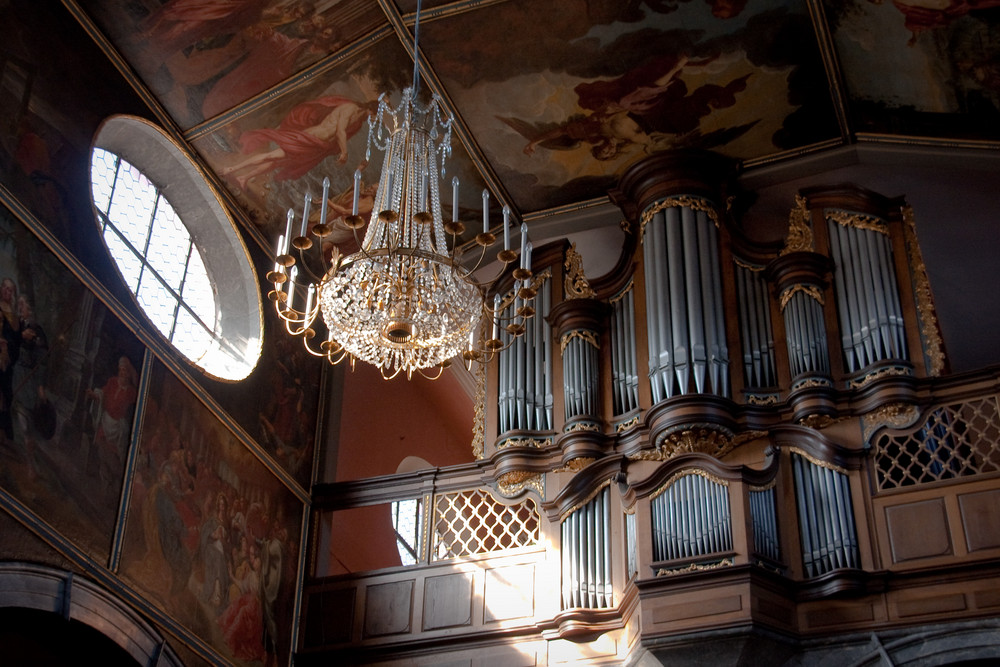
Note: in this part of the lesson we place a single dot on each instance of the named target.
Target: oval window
(176, 248)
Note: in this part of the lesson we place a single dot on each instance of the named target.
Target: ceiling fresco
(553, 100)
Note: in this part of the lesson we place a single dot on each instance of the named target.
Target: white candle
(486, 211)
(454, 199)
(506, 228)
(472, 334)
(326, 198)
(357, 191)
(496, 317)
(305, 214)
(288, 233)
(293, 274)
(527, 262)
(281, 247)
(524, 242)
(309, 300)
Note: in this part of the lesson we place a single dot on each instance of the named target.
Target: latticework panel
(954, 440)
(472, 522)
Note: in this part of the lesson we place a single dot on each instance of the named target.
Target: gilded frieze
(894, 415)
(679, 201)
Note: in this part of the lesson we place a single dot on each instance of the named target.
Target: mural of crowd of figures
(211, 535)
(44, 162)
(69, 378)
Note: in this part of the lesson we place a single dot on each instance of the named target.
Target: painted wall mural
(211, 536)
(69, 379)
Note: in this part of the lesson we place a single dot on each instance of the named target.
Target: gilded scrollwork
(694, 567)
(479, 422)
(881, 373)
(800, 236)
(811, 291)
(576, 465)
(684, 473)
(575, 283)
(626, 425)
(857, 220)
(746, 265)
(522, 442)
(818, 422)
(763, 400)
(621, 295)
(583, 426)
(510, 484)
(895, 415)
(815, 461)
(678, 201)
(930, 331)
(589, 337)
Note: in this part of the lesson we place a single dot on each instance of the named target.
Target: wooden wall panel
(448, 601)
(510, 592)
(389, 608)
(918, 530)
(981, 519)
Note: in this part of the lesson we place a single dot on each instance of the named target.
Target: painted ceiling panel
(555, 99)
(563, 96)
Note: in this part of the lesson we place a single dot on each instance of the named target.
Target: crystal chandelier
(403, 302)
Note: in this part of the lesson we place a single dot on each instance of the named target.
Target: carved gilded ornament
(822, 464)
(509, 484)
(626, 425)
(858, 220)
(679, 201)
(536, 284)
(584, 335)
(684, 473)
(762, 400)
(583, 426)
(621, 295)
(800, 236)
(811, 382)
(709, 441)
(811, 291)
(479, 423)
(746, 265)
(575, 283)
(590, 496)
(522, 442)
(764, 487)
(818, 422)
(871, 377)
(694, 567)
(930, 332)
(576, 465)
(894, 415)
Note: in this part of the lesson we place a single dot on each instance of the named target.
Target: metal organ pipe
(685, 319)
(867, 295)
(691, 518)
(826, 517)
(586, 562)
(525, 383)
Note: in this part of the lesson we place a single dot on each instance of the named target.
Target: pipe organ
(787, 439)
(808, 321)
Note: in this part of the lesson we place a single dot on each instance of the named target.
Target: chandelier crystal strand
(402, 302)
